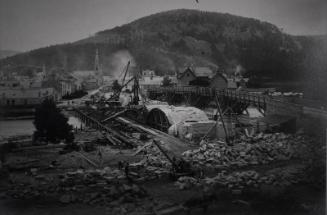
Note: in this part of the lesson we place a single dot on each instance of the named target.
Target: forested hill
(7, 53)
(168, 40)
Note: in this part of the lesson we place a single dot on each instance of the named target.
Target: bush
(166, 82)
(51, 124)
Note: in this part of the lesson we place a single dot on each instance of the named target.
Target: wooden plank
(87, 159)
(107, 129)
(173, 145)
(114, 116)
(49, 146)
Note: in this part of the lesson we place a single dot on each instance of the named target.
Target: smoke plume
(118, 63)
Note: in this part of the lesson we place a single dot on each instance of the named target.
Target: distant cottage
(201, 76)
(24, 97)
(219, 81)
(205, 77)
(150, 79)
(198, 76)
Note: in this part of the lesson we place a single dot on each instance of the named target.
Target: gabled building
(205, 77)
(7, 84)
(196, 76)
(148, 73)
(237, 82)
(219, 81)
(69, 85)
(150, 79)
(26, 97)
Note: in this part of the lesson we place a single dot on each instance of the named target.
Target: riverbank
(11, 128)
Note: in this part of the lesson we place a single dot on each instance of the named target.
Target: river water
(25, 127)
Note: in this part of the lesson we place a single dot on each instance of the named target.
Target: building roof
(91, 80)
(84, 74)
(26, 93)
(198, 72)
(203, 72)
(155, 80)
(148, 72)
(173, 79)
(231, 83)
(239, 79)
(218, 74)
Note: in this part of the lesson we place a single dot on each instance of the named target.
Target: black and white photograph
(163, 107)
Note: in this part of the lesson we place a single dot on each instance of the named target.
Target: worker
(120, 165)
(100, 157)
(127, 172)
(201, 175)
(174, 165)
(126, 168)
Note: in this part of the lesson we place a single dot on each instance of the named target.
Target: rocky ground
(263, 174)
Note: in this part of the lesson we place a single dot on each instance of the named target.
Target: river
(25, 127)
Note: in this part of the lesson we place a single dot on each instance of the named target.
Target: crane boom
(116, 95)
(122, 83)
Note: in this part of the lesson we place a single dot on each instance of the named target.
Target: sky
(31, 24)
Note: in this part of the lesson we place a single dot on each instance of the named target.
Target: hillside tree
(166, 82)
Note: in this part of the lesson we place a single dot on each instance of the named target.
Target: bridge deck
(259, 100)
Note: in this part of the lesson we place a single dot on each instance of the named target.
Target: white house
(23, 97)
(150, 79)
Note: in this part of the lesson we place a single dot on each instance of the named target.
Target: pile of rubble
(90, 187)
(154, 157)
(237, 181)
(153, 165)
(260, 149)
(186, 182)
(252, 179)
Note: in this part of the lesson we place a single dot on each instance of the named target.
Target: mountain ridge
(172, 39)
(7, 53)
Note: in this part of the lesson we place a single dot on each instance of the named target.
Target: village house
(219, 81)
(148, 73)
(108, 80)
(196, 76)
(90, 79)
(7, 80)
(236, 82)
(26, 97)
(150, 79)
(33, 79)
(205, 77)
(29, 82)
(91, 84)
(235, 78)
(6, 84)
(69, 85)
(173, 80)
